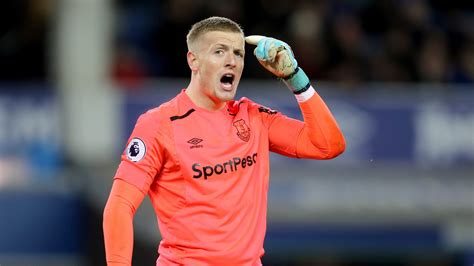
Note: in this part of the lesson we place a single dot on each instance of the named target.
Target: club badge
(243, 131)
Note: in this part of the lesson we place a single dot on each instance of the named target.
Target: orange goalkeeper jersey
(207, 173)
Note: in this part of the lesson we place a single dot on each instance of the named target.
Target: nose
(231, 61)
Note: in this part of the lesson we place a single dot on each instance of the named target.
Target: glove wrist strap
(298, 82)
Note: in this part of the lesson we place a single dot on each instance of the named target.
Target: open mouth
(227, 80)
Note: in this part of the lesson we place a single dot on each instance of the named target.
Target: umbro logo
(195, 143)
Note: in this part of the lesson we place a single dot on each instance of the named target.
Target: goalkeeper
(203, 157)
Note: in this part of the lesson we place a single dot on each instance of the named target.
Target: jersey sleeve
(143, 155)
(124, 200)
(317, 137)
(283, 131)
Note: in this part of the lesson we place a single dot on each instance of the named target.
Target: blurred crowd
(24, 37)
(351, 41)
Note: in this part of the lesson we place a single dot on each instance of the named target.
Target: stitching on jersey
(176, 117)
(269, 111)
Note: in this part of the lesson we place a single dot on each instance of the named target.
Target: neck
(197, 93)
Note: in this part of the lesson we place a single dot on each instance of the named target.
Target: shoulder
(257, 107)
(243, 102)
(160, 114)
(251, 106)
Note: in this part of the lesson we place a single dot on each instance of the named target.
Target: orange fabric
(207, 174)
(319, 137)
(122, 204)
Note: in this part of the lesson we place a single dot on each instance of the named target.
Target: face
(218, 65)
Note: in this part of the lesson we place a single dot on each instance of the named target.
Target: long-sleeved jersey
(207, 175)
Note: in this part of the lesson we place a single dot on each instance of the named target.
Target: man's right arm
(141, 161)
(124, 200)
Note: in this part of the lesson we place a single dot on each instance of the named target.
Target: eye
(219, 52)
(239, 54)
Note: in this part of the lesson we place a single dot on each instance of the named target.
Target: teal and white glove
(277, 57)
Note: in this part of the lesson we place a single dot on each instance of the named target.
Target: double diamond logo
(195, 143)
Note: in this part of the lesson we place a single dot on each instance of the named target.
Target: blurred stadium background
(399, 76)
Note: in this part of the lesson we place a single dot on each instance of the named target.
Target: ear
(192, 61)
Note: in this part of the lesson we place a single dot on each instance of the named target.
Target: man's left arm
(319, 136)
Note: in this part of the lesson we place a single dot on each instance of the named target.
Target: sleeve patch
(136, 150)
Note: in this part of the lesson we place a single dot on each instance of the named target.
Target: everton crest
(243, 131)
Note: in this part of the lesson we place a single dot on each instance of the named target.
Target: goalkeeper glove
(277, 57)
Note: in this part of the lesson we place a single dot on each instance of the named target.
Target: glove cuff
(298, 82)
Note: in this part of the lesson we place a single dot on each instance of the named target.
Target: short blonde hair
(211, 24)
